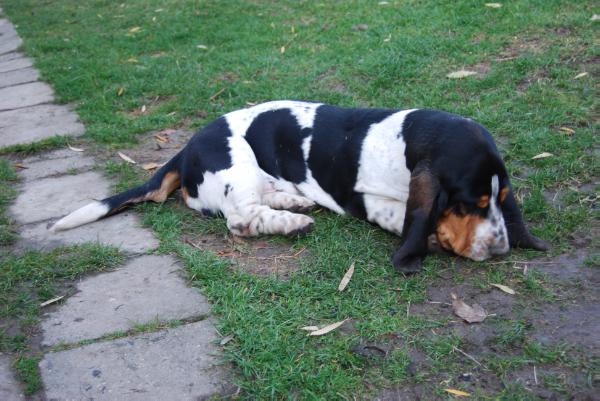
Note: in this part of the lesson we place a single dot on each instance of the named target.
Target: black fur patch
(335, 149)
(207, 151)
(276, 140)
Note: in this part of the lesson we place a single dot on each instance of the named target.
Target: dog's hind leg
(285, 201)
(260, 219)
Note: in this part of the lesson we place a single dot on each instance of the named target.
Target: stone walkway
(178, 363)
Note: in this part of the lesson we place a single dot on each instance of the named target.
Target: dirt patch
(148, 106)
(538, 77)
(155, 147)
(253, 256)
(520, 47)
(329, 81)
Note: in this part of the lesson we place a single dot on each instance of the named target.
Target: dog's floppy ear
(518, 235)
(425, 201)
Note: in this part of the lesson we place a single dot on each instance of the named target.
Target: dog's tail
(165, 181)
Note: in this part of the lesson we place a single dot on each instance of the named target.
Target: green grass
(110, 59)
(7, 194)
(29, 278)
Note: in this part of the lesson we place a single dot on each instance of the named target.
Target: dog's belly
(347, 162)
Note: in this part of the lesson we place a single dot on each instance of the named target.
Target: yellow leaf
(51, 301)
(161, 139)
(120, 91)
(132, 60)
(581, 75)
(152, 166)
(135, 29)
(461, 74)
(126, 158)
(309, 328)
(19, 165)
(327, 328)
(282, 50)
(542, 155)
(346, 278)
(567, 130)
(504, 288)
(458, 393)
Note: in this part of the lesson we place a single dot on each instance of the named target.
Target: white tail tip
(86, 214)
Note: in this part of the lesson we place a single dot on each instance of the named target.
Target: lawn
(141, 66)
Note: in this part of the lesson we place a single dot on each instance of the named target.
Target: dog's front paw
(407, 264)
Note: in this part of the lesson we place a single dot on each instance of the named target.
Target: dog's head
(475, 229)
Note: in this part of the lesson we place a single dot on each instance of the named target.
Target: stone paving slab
(174, 364)
(15, 63)
(8, 42)
(146, 289)
(6, 29)
(18, 96)
(9, 387)
(20, 76)
(54, 197)
(122, 231)
(52, 163)
(50, 198)
(10, 56)
(34, 123)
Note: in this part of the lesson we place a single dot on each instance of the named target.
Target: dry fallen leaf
(132, 60)
(471, 314)
(120, 91)
(225, 340)
(580, 75)
(542, 155)
(327, 328)
(282, 49)
(595, 17)
(143, 109)
(126, 158)
(458, 393)
(504, 288)
(74, 149)
(203, 47)
(493, 5)
(346, 278)
(567, 130)
(152, 166)
(160, 138)
(51, 301)
(309, 328)
(167, 131)
(19, 165)
(135, 29)
(461, 74)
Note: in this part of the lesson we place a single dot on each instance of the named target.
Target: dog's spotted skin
(412, 172)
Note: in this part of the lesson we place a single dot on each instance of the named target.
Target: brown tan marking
(484, 201)
(504, 193)
(169, 184)
(456, 232)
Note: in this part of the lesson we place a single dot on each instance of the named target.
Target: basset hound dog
(412, 172)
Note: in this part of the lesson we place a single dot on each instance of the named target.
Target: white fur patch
(382, 167)
(87, 214)
(240, 120)
(491, 237)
